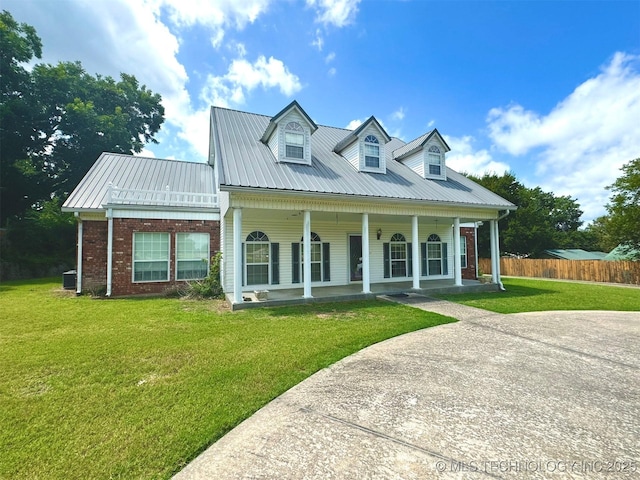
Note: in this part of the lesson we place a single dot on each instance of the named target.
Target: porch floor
(293, 296)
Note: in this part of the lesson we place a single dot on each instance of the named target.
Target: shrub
(210, 287)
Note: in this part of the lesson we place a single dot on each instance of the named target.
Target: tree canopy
(623, 223)
(55, 120)
(542, 220)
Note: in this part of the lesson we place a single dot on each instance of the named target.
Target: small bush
(210, 287)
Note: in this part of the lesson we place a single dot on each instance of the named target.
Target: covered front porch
(294, 296)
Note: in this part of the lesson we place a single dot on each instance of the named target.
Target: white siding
(352, 154)
(274, 144)
(415, 162)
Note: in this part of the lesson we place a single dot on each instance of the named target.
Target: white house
(299, 210)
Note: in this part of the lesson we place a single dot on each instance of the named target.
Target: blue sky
(547, 89)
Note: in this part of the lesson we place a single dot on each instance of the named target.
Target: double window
(371, 152)
(320, 262)
(151, 256)
(397, 257)
(294, 141)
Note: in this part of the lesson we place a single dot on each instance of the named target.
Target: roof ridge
(153, 158)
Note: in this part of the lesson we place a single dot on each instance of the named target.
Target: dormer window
(371, 152)
(434, 159)
(294, 141)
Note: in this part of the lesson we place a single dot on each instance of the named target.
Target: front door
(355, 258)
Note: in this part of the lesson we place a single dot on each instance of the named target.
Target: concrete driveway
(535, 395)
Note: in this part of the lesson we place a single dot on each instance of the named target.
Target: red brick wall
(94, 255)
(469, 273)
(95, 252)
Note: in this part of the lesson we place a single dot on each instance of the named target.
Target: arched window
(434, 160)
(294, 140)
(371, 152)
(434, 255)
(316, 258)
(398, 255)
(257, 249)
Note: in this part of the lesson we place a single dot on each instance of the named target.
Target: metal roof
(128, 172)
(353, 136)
(575, 254)
(244, 161)
(417, 144)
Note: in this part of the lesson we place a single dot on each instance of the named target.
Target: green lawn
(137, 388)
(527, 295)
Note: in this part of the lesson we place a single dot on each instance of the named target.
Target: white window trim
(321, 262)
(306, 152)
(463, 252)
(443, 165)
(382, 168)
(441, 258)
(406, 257)
(268, 263)
(134, 261)
(208, 257)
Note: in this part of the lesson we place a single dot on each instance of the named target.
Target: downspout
(500, 285)
(475, 244)
(109, 249)
(79, 260)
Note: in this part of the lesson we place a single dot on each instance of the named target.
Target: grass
(527, 295)
(136, 388)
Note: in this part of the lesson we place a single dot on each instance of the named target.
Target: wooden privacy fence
(588, 270)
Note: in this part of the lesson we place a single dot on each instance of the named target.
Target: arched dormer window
(371, 152)
(256, 256)
(294, 140)
(434, 161)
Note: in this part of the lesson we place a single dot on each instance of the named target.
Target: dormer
(364, 148)
(288, 135)
(425, 155)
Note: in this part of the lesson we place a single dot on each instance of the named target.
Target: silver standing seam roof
(138, 173)
(245, 161)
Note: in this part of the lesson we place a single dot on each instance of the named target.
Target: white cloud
(584, 140)
(243, 77)
(218, 16)
(353, 124)
(332, 72)
(463, 157)
(318, 42)
(338, 13)
(398, 114)
(431, 123)
(330, 58)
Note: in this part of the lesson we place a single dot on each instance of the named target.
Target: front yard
(137, 388)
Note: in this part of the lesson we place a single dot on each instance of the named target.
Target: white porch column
(109, 249)
(497, 240)
(237, 255)
(366, 281)
(495, 260)
(415, 252)
(457, 265)
(79, 260)
(306, 245)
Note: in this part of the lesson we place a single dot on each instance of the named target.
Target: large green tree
(542, 220)
(623, 223)
(55, 120)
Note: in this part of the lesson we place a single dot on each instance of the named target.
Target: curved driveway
(533, 395)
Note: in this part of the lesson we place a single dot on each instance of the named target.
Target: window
(371, 152)
(434, 158)
(434, 255)
(150, 257)
(316, 258)
(257, 258)
(463, 252)
(192, 256)
(398, 255)
(294, 140)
